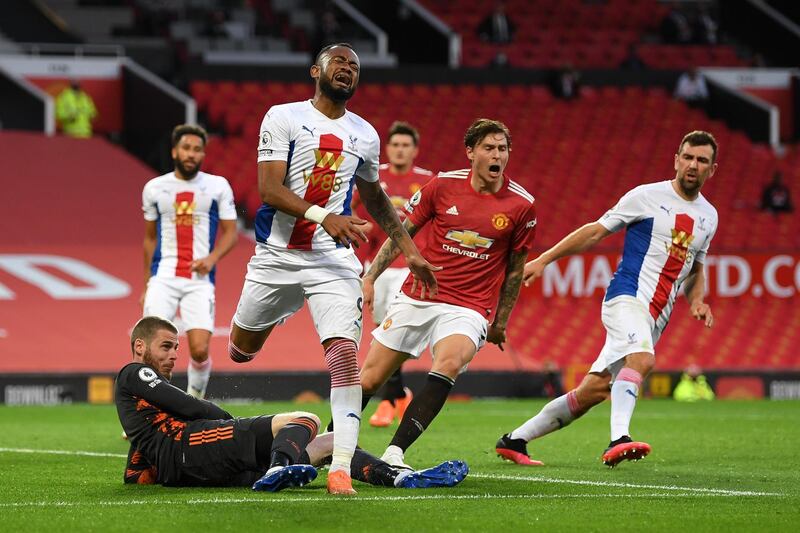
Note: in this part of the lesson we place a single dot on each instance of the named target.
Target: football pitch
(719, 466)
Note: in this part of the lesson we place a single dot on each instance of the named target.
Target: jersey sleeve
(149, 204)
(703, 252)
(143, 382)
(138, 469)
(227, 207)
(628, 210)
(421, 207)
(525, 231)
(275, 136)
(368, 169)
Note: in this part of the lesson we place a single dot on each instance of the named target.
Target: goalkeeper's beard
(147, 358)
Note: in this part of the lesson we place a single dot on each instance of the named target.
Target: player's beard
(147, 358)
(188, 174)
(337, 95)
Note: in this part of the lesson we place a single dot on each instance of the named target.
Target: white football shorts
(278, 282)
(387, 288)
(194, 298)
(411, 326)
(629, 329)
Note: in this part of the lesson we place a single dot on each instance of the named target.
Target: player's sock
(393, 388)
(624, 392)
(422, 410)
(369, 469)
(198, 373)
(291, 441)
(239, 356)
(345, 401)
(365, 398)
(555, 415)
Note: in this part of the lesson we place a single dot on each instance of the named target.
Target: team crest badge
(500, 221)
(387, 323)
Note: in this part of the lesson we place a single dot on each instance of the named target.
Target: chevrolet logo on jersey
(469, 239)
(328, 160)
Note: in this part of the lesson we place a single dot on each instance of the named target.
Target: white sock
(346, 411)
(624, 393)
(198, 374)
(555, 415)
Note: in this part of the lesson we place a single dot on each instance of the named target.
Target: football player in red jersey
(482, 225)
(400, 179)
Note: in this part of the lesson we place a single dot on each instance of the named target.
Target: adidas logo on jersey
(452, 211)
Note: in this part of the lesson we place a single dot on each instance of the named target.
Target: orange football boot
(339, 483)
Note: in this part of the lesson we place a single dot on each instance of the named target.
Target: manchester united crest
(500, 221)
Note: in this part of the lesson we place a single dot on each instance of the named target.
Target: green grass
(721, 466)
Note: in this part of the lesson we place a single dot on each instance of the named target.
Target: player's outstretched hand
(346, 230)
(423, 276)
(368, 289)
(203, 265)
(496, 335)
(702, 311)
(533, 269)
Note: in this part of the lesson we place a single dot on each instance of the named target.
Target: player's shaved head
(483, 127)
(324, 53)
(700, 138)
(147, 327)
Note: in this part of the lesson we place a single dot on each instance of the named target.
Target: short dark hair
(483, 127)
(399, 127)
(148, 326)
(188, 129)
(700, 138)
(328, 47)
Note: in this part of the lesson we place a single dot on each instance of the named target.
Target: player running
(482, 225)
(180, 440)
(310, 156)
(669, 229)
(400, 179)
(182, 211)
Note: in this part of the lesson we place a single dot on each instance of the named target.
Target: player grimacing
(310, 156)
(669, 227)
(482, 225)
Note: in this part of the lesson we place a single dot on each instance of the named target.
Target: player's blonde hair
(483, 127)
(147, 327)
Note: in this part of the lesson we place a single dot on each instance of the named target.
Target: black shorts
(224, 452)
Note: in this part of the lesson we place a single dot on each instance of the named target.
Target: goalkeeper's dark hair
(700, 138)
(327, 48)
(188, 129)
(399, 127)
(147, 327)
(483, 127)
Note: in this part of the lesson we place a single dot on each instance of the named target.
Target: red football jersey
(471, 236)
(399, 188)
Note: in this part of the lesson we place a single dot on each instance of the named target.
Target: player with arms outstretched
(669, 227)
(311, 154)
(182, 211)
(481, 226)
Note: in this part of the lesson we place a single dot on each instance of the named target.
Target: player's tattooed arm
(388, 253)
(509, 292)
(384, 214)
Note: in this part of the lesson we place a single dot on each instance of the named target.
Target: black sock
(291, 441)
(369, 469)
(365, 398)
(422, 410)
(393, 388)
